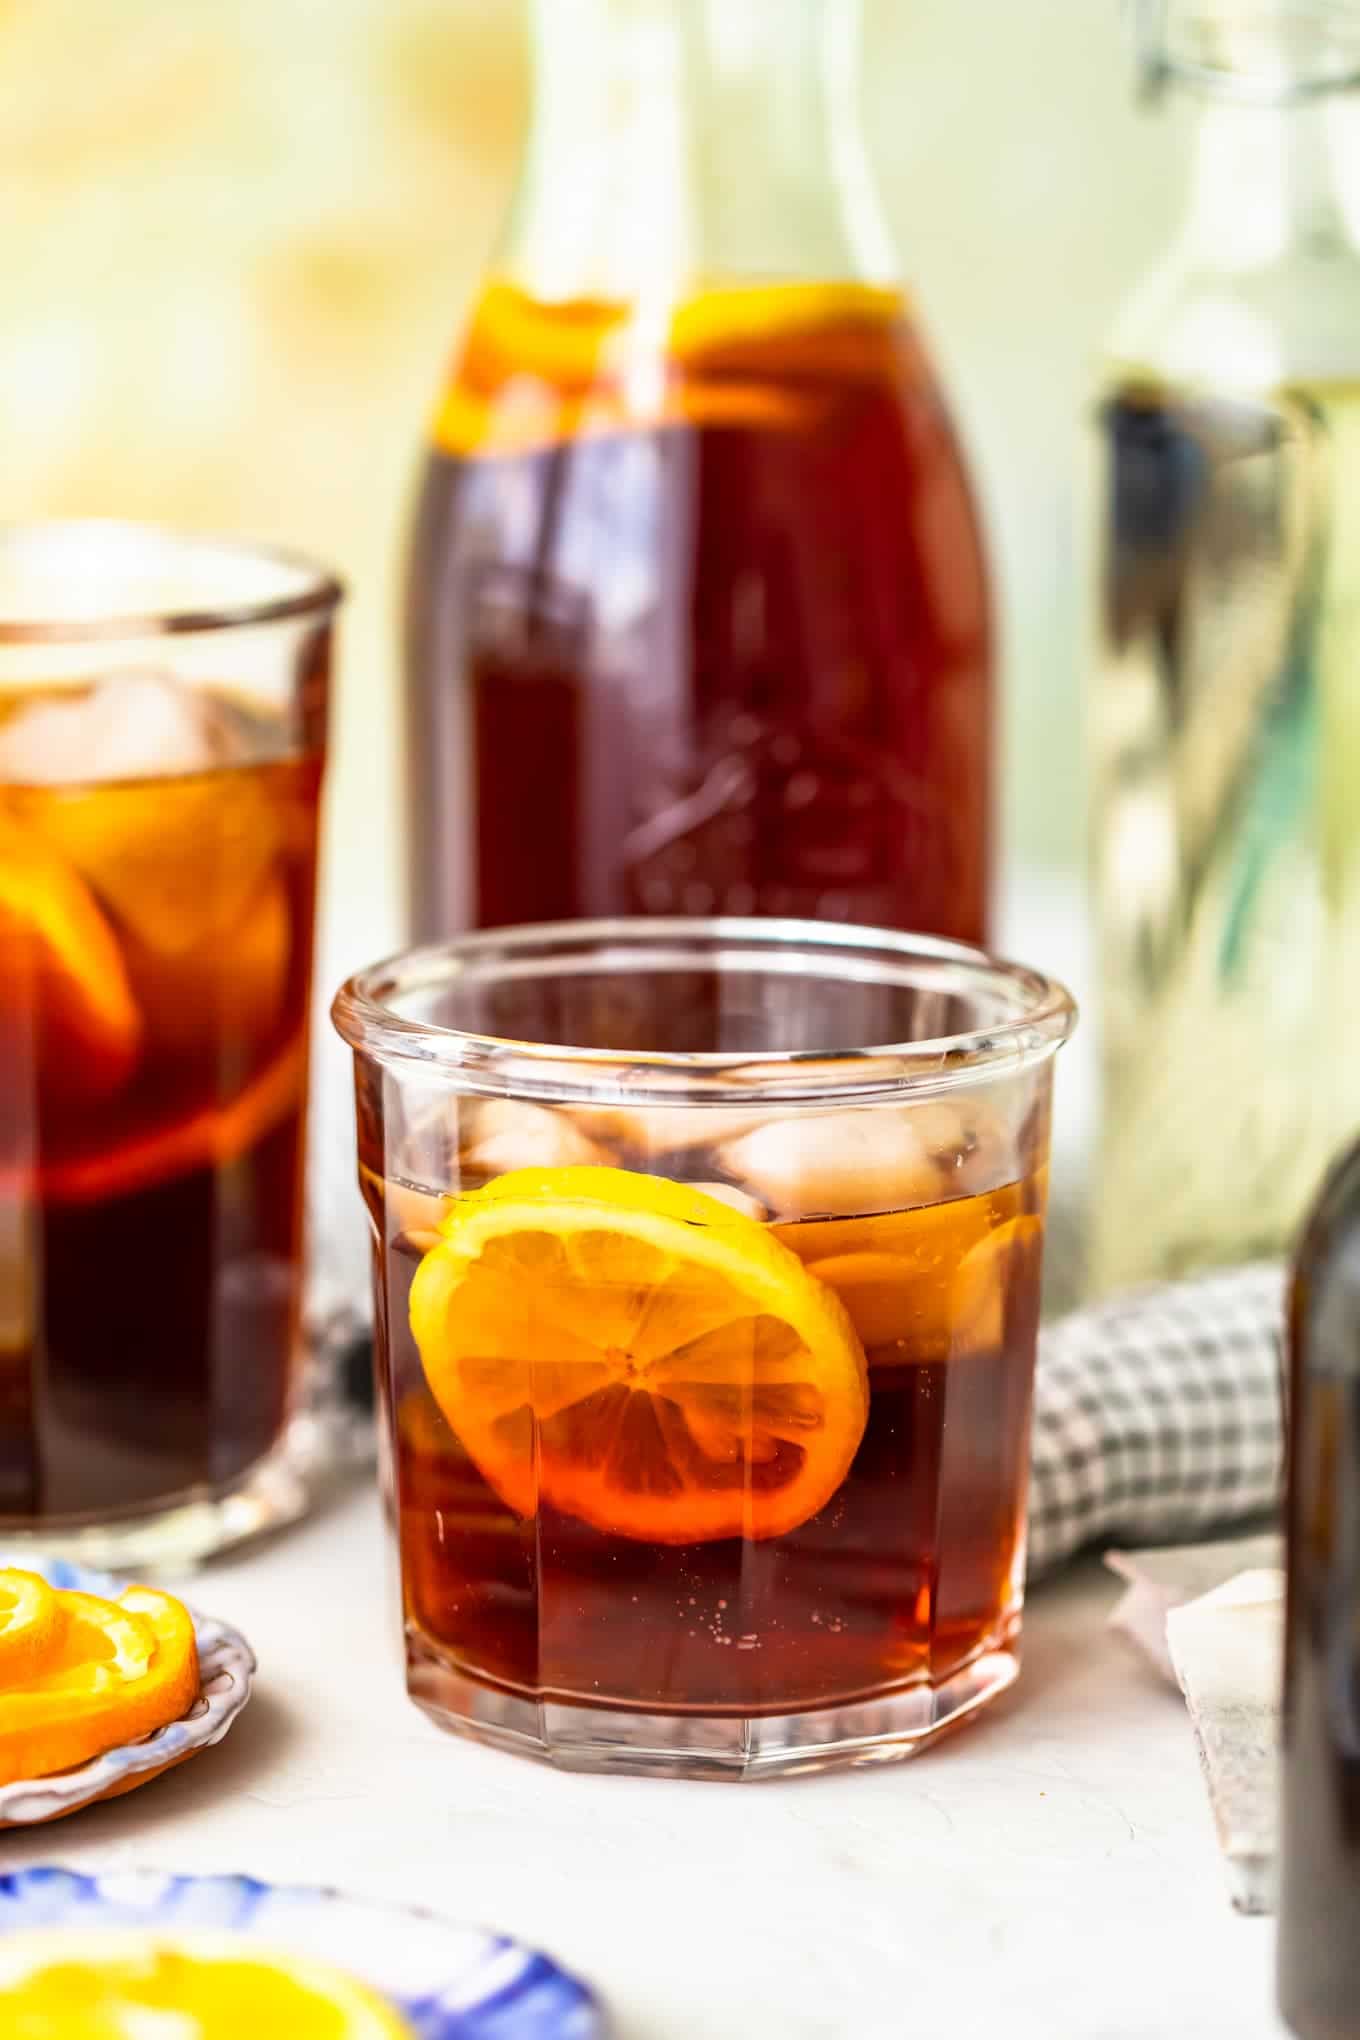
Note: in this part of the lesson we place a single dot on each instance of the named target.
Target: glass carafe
(698, 617)
(1226, 706)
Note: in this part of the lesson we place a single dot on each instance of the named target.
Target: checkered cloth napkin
(1158, 1414)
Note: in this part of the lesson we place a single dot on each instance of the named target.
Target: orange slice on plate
(30, 1623)
(116, 1983)
(638, 1355)
(120, 1670)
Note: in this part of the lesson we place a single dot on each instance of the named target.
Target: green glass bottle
(1225, 701)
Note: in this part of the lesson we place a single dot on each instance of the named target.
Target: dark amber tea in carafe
(698, 619)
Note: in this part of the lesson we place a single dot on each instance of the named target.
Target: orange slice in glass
(895, 1271)
(639, 1356)
(30, 1622)
(177, 859)
(985, 1278)
(120, 1670)
(63, 985)
(212, 1136)
(96, 1985)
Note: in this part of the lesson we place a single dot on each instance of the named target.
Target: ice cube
(649, 1131)
(739, 1200)
(972, 1140)
(941, 1131)
(505, 1134)
(218, 1003)
(176, 857)
(828, 1164)
(420, 1143)
(414, 1216)
(131, 725)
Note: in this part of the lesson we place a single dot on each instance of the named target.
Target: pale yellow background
(236, 237)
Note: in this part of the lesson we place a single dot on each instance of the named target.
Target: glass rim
(1175, 44)
(316, 591)
(494, 1065)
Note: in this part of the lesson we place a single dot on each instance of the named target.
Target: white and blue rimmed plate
(226, 1666)
(449, 1982)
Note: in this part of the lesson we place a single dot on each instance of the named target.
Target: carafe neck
(1277, 152)
(1267, 182)
(674, 143)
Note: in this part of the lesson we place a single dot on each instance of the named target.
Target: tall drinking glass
(706, 1331)
(162, 730)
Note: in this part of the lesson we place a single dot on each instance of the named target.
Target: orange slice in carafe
(759, 356)
(639, 1356)
(740, 315)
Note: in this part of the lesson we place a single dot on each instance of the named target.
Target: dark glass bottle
(1319, 1947)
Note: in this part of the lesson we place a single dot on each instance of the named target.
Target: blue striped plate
(450, 1982)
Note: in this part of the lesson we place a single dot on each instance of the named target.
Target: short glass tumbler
(706, 1331)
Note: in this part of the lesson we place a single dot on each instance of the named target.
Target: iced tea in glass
(706, 1331)
(162, 722)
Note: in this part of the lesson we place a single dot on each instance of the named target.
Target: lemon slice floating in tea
(122, 1985)
(638, 1355)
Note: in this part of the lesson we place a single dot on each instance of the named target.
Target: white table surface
(1049, 1874)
